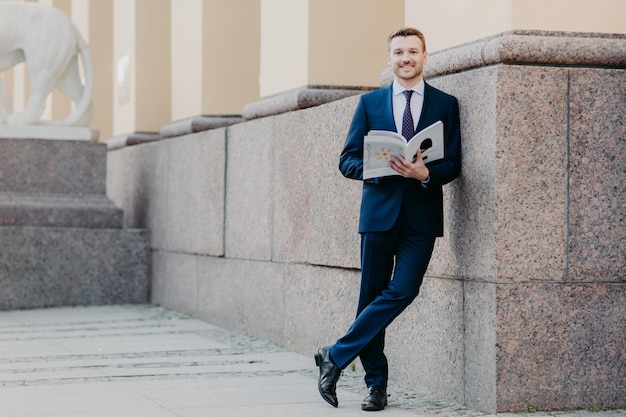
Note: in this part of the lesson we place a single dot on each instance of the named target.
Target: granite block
(52, 166)
(320, 305)
(46, 266)
(480, 345)
(249, 190)
(424, 344)
(248, 296)
(561, 345)
(174, 281)
(531, 176)
(134, 182)
(194, 220)
(470, 210)
(59, 210)
(597, 168)
(118, 186)
(175, 188)
(315, 208)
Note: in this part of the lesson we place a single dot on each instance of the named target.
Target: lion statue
(48, 42)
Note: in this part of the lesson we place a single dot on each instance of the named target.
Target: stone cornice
(299, 98)
(528, 47)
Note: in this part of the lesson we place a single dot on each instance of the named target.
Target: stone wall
(253, 227)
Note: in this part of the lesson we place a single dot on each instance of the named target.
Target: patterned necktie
(407, 118)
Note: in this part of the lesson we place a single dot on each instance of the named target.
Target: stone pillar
(215, 53)
(94, 18)
(141, 58)
(318, 51)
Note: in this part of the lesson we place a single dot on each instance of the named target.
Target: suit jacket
(383, 197)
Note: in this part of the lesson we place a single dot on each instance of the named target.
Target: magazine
(380, 145)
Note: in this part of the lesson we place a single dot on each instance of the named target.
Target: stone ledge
(197, 124)
(59, 210)
(299, 98)
(48, 132)
(527, 47)
(130, 139)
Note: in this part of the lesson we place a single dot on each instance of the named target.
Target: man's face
(407, 58)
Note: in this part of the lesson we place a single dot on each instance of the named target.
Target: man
(401, 215)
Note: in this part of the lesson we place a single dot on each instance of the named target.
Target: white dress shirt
(399, 102)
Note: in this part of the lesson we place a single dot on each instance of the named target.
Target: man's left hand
(416, 169)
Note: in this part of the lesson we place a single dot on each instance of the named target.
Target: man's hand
(416, 169)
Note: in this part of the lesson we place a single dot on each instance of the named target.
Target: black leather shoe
(376, 399)
(329, 375)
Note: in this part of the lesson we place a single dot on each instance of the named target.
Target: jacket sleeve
(351, 159)
(448, 168)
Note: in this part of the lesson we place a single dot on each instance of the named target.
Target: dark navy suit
(399, 221)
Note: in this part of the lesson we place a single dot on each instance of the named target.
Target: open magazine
(380, 145)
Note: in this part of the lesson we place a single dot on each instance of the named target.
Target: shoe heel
(318, 359)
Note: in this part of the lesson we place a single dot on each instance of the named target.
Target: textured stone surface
(52, 166)
(175, 188)
(315, 208)
(480, 344)
(561, 346)
(470, 210)
(249, 190)
(531, 173)
(45, 266)
(597, 171)
(425, 343)
(58, 210)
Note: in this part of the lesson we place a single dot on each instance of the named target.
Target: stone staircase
(62, 240)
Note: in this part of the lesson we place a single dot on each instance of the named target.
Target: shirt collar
(418, 88)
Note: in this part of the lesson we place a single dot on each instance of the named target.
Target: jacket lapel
(387, 107)
(425, 118)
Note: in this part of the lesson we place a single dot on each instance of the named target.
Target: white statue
(49, 43)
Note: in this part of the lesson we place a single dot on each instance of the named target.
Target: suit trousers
(393, 264)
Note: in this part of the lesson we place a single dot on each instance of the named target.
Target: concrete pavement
(146, 361)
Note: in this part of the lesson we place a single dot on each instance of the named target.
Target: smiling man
(401, 215)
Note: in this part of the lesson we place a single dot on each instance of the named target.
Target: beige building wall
(324, 42)
(231, 54)
(447, 23)
(162, 60)
(124, 93)
(284, 36)
(186, 62)
(94, 18)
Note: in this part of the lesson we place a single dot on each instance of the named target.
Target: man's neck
(409, 85)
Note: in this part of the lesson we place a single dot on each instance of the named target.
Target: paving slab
(146, 361)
